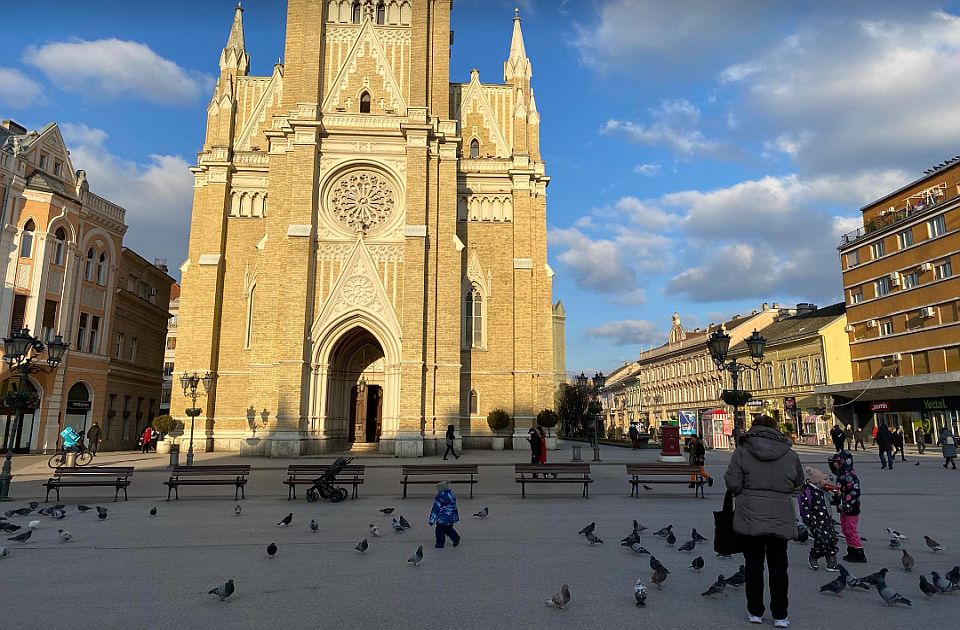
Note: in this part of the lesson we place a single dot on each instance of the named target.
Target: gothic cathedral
(368, 249)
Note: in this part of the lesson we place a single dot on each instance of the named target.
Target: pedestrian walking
(765, 474)
(815, 514)
(698, 457)
(145, 438)
(884, 441)
(921, 438)
(94, 436)
(450, 441)
(898, 443)
(948, 444)
(533, 436)
(444, 514)
(848, 437)
(634, 437)
(847, 500)
(154, 439)
(836, 434)
(542, 459)
(876, 429)
(858, 440)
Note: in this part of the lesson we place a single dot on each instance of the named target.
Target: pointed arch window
(102, 269)
(355, 17)
(473, 318)
(248, 336)
(26, 239)
(381, 13)
(474, 148)
(60, 243)
(365, 103)
(88, 266)
(474, 403)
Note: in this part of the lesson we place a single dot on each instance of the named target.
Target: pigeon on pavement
(4, 552)
(659, 576)
(629, 541)
(895, 534)
(662, 533)
(153, 511)
(64, 535)
(875, 578)
(687, 546)
(33, 524)
(895, 543)
(19, 512)
(640, 593)
(237, 511)
(638, 528)
(943, 585)
(907, 560)
(739, 578)
(286, 520)
(83, 508)
(9, 527)
(374, 530)
(671, 539)
(697, 564)
(417, 557)
(223, 591)
(101, 513)
(852, 580)
(484, 513)
(593, 539)
(891, 596)
(696, 536)
(717, 587)
(647, 488)
(927, 588)
(362, 546)
(836, 586)
(932, 544)
(404, 523)
(24, 537)
(397, 527)
(313, 526)
(34, 505)
(588, 529)
(58, 514)
(954, 575)
(388, 511)
(639, 549)
(271, 550)
(561, 598)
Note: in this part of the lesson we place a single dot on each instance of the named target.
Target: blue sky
(705, 156)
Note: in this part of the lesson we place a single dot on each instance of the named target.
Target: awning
(715, 414)
(898, 387)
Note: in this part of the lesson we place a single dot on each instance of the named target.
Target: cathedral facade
(368, 255)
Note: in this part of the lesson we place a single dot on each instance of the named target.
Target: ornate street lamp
(599, 380)
(190, 384)
(20, 352)
(719, 344)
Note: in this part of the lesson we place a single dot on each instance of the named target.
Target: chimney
(764, 307)
(14, 127)
(161, 264)
(805, 307)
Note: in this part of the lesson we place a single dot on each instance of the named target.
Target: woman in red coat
(145, 438)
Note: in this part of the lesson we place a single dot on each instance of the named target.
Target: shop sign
(78, 405)
(879, 406)
(755, 402)
(934, 404)
(790, 402)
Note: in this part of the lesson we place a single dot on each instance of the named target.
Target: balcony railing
(890, 218)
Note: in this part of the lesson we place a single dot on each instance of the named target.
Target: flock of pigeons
(56, 512)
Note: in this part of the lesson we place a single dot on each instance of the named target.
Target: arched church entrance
(355, 391)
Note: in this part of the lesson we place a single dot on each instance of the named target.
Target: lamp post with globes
(719, 344)
(599, 380)
(190, 384)
(20, 352)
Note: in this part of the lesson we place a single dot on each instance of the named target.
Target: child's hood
(842, 462)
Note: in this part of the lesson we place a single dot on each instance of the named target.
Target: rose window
(362, 201)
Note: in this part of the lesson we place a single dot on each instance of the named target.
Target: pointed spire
(236, 31)
(234, 56)
(517, 65)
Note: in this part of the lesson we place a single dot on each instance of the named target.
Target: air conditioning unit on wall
(926, 267)
(894, 279)
(896, 357)
(872, 323)
(927, 311)
(848, 328)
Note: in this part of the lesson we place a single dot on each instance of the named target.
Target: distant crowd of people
(889, 441)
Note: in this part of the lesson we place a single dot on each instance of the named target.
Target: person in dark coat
(858, 440)
(948, 444)
(765, 476)
(921, 438)
(836, 434)
(93, 437)
(897, 433)
(847, 500)
(634, 437)
(698, 457)
(848, 438)
(450, 440)
(536, 443)
(885, 446)
(444, 514)
(815, 513)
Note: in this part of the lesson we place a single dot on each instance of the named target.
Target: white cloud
(628, 332)
(648, 169)
(109, 68)
(157, 195)
(17, 90)
(674, 125)
(596, 265)
(738, 72)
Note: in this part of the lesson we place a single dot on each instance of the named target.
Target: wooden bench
(559, 473)
(235, 476)
(306, 474)
(117, 477)
(438, 473)
(655, 472)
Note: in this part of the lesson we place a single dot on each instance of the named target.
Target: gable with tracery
(371, 59)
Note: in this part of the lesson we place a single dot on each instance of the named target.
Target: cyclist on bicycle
(70, 440)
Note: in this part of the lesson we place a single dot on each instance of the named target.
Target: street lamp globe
(207, 381)
(719, 343)
(582, 380)
(56, 350)
(15, 346)
(599, 380)
(756, 343)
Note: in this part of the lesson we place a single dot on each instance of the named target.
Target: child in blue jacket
(444, 514)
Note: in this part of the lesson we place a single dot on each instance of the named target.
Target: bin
(174, 455)
(70, 461)
(576, 454)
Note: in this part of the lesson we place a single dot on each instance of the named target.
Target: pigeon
(891, 596)
(654, 563)
(83, 508)
(739, 578)
(593, 539)
(629, 541)
(271, 550)
(19, 512)
(640, 593)
(696, 536)
(33, 524)
(639, 549)
(313, 526)
(907, 561)
(717, 587)
(662, 533)
(34, 505)
(561, 598)
(404, 523)
(374, 530)
(916, 463)
(943, 585)
(9, 527)
(237, 511)
(638, 528)
(484, 513)
(397, 527)
(875, 578)
(388, 511)
(24, 537)
(58, 515)
(687, 546)
(852, 580)
(153, 512)
(101, 513)
(671, 539)
(59, 506)
(4, 552)
(286, 520)
(647, 488)
(836, 586)
(223, 591)
(588, 529)
(64, 535)
(362, 546)
(42, 512)
(927, 588)
(417, 557)
(697, 564)
(895, 534)
(659, 576)
(932, 544)
(895, 544)
(954, 575)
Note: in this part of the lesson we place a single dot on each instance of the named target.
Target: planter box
(163, 447)
(496, 443)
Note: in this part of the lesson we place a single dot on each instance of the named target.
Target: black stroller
(323, 485)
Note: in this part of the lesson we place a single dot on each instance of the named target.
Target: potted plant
(165, 425)
(498, 419)
(548, 418)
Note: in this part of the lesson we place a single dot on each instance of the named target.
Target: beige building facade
(367, 260)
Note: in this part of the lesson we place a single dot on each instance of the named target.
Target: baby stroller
(323, 485)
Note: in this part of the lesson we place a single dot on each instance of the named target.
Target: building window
(805, 371)
(473, 318)
(793, 373)
(88, 266)
(882, 286)
(19, 312)
(43, 161)
(905, 238)
(853, 258)
(168, 368)
(49, 322)
(26, 239)
(474, 148)
(248, 338)
(770, 383)
(474, 403)
(82, 331)
(937, 226)
(817, 370)
(911, 279)
(886, 328)
(133, 349)
(57, 167)
(60, 236)
(381, 13)
(119, 351)
(783, 374)
(94, 331)
(102, 269)
(856, 296)
(355, 17)
(877, 249)
(942, 270)
(172, 343)
(365, 103)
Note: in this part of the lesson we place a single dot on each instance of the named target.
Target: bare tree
(572, 404)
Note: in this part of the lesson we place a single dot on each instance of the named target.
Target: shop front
(717, 428)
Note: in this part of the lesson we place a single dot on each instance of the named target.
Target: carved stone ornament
(358, 291)
(362, 200)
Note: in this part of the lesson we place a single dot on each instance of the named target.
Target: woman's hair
(765, 421)
(443, 485)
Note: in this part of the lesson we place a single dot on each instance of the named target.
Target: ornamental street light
(190, 384)
(599, 380)
(719, 344)
(21, 352)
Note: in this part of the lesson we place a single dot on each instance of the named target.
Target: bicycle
(59, 459)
